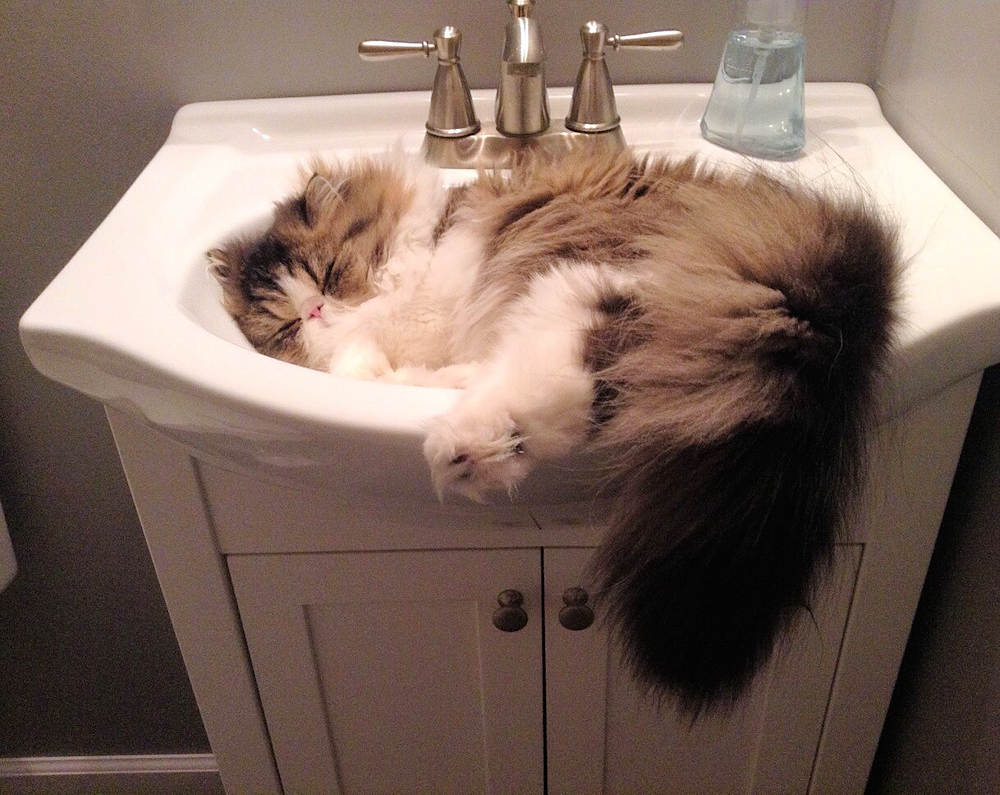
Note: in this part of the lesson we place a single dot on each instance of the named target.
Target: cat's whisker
(498, 457)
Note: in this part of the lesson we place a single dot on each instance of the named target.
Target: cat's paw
(359, 360)
(474, 455)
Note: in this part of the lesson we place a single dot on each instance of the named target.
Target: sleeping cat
(717, 336)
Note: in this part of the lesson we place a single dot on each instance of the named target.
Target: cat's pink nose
(312, 307)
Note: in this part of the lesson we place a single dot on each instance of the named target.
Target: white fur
(534, 400)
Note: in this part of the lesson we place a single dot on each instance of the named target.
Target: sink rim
(149, 356)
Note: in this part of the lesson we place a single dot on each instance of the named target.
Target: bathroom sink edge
(66, 344)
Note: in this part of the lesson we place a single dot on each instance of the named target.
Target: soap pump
(756, 105)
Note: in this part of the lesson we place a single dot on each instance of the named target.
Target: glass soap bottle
(756, 106)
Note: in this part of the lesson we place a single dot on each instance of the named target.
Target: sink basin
(134, 320)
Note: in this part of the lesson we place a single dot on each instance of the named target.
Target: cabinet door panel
(604, 735)
(576, 676)
(384, 672)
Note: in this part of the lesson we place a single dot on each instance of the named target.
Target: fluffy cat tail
(740, 384)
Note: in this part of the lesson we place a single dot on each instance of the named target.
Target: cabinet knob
(510, 616)
(576, 613)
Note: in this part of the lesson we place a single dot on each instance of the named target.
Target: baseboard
(190, 774)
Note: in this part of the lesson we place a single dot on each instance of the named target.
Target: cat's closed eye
(331, 278)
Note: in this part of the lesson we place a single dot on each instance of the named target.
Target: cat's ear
(218, 263)
(320, 196)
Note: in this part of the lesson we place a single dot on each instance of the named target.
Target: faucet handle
(651, 40)
(592, 109)
(379, 50)
(451, 114)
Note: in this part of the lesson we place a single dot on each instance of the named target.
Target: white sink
(134, 320)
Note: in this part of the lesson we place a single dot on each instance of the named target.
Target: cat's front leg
(359, 358)
(352, 338)
(501, 428)
(534, 401)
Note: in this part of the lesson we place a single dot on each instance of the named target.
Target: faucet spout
(522, 104)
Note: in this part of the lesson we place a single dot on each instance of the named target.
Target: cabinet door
(384, 672)
(604, 736)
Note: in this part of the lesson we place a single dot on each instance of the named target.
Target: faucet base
(489, 149)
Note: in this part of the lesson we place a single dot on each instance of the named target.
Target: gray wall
(88, 663)
(941, 734)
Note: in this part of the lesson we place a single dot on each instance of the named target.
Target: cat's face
(320, 257)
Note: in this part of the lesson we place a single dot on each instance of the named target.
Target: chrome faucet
(592, 109)
(522, 104)
(451, 114)
(455, 138)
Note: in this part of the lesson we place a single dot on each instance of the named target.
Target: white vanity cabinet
(383, 671)
(338, 647)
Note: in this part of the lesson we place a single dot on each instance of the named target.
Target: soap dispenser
(756, 106)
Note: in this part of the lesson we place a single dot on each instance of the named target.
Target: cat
(717, 336)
